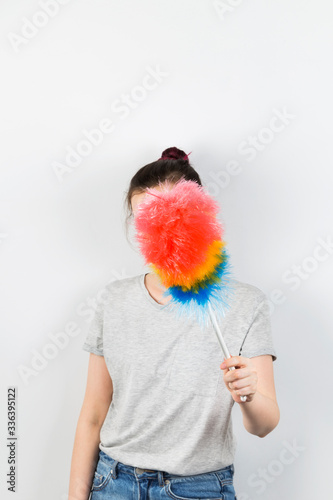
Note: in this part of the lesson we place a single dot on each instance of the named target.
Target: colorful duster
(180, 238)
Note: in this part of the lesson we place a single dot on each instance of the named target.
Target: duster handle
(221, 341)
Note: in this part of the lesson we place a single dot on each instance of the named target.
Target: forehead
(138, 196)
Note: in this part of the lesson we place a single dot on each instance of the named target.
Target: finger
(240, 384)
(238, 374)
(234, 361)
(245, 391)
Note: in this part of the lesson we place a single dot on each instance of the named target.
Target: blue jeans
(116, 481)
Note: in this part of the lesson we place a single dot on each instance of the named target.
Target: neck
(155, 280)
(156, 288)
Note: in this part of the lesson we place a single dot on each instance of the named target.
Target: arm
(97, 399)
(255, 379)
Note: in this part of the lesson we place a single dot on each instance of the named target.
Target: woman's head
(172, 167)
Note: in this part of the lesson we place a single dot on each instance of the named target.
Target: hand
(243, 380)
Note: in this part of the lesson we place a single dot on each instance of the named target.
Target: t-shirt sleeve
(258, 339)
(94, 337)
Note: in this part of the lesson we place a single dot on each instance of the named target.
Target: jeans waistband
(223, 473)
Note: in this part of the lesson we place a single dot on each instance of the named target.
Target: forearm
(84, 459)
(261, 415)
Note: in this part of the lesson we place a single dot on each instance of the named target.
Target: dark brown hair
(172, 166)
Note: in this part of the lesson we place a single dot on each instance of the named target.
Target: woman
(156, 416)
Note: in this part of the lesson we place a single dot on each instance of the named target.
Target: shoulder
(246, 295)
(116, 292)
(121, 286)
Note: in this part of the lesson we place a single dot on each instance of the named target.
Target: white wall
(226, 69)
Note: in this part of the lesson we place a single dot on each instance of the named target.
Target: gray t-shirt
(170, 408)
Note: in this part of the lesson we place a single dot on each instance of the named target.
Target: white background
(227, 71)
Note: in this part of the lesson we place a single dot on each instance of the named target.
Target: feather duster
(181, 239)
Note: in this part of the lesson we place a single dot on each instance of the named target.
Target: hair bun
(174, 154)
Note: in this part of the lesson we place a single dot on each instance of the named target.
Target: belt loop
(161, 478)
(114, 469)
